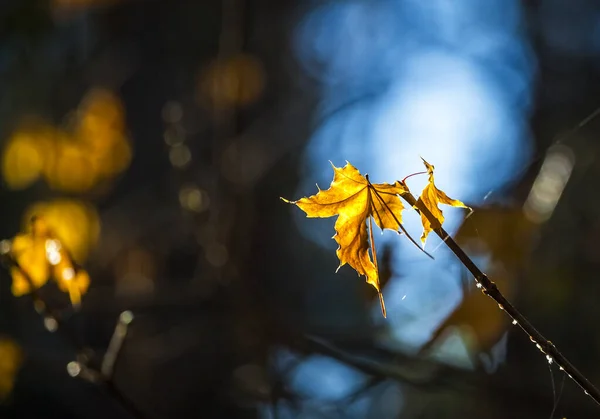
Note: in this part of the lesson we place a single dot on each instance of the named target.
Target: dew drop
(73, 368)
(50, 324)
(126, 317)
(514, 322)
(479, 285)
(500, 306)
(4, 247)
(68, 274)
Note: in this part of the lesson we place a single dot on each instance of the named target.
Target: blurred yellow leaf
(72, 169)
(41, 254)
(11, 358)
(93, 147)
(354, 199)
(431, 197)
(482, 323)
(74, 281)
(503, 236)
(24, 156)
(30, 252)
(236, 81)
(76, 223)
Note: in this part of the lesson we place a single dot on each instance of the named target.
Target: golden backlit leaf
(30, 252)
(430, 198)
(76, 223)
(74, 282)
(354, 200)
(41, 255)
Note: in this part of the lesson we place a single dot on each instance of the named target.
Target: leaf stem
(413, 174)
(374, 254)
(490, 289)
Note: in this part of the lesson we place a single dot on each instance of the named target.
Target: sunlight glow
(447, 80)
(549, 184)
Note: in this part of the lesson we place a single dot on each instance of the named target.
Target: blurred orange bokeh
(93, 149)
(236, 81)
(11, 358)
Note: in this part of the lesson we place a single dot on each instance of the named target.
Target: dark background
(237, 314)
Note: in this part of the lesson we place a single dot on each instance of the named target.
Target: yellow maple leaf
(430, 198)
(356, 201)
(29, 251)
(41, 255)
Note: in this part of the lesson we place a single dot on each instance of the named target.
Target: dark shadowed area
(163, 277)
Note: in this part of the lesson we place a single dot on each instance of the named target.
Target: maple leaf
(41, 255)
(430, 198)
(355, 200)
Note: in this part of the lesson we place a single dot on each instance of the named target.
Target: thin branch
(48, 312)
(490, 289)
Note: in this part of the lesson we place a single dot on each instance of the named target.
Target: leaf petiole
(413, 174)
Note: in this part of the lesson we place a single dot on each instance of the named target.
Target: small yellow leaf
(30, 253)
(353, 198)
(430, 198)
(41, 255)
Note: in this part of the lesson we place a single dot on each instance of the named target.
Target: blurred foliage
(74, 222)
(91, 148)
(42, 255)
(11, 358)
(236, 81)
(196, 246)
(501, 238)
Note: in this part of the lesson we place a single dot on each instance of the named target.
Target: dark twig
(102, 379)
(490, 289)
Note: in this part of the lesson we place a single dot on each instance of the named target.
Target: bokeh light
(25, 155)
(236, 81)
(193, 199)
(180, 156)
(449, 82)
(91, 148)
(135, 272)
(549, 184)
